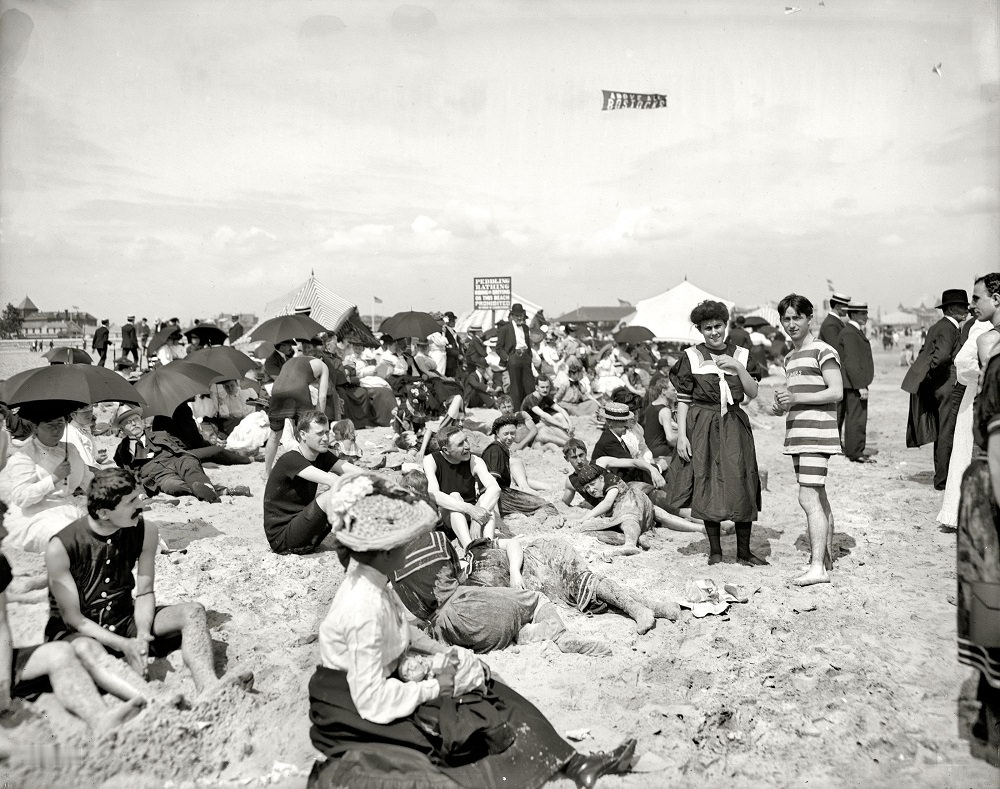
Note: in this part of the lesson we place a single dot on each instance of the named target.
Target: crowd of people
(434, 574)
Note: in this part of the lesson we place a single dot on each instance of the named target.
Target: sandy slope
(854, 684)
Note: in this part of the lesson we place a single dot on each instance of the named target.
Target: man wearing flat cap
(130, 340)
(858, 369)
(100, 342)
(930, 380)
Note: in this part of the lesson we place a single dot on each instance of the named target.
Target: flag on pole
(617, 100)
(829, 284)
(376, 299)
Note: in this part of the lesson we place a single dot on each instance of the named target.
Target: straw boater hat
(857, 306)
(616, 412)
(370, 513)
(839, 298)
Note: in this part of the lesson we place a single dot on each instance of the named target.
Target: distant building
(605, 318)
(38, 324)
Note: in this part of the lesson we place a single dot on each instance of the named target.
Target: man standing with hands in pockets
(858, 371)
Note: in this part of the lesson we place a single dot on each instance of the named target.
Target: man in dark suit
(236, 330)
(858, 369)
(930, 381)
(739, 335)
(282, 352)
(453, 352)
(833, 323)
(130, 340)
(475, 388)
(829, 330)
(514, 350)
(100, 343)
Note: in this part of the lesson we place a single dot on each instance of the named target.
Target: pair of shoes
(234, 490)
(585, 770)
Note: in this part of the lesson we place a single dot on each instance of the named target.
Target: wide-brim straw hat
(124, 413)
(370, 513)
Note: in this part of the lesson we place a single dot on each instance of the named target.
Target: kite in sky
(937, 69)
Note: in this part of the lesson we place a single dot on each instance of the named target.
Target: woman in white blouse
(372, 697)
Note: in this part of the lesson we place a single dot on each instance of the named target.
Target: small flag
(829, 284)
(617, 100)
(790, 9)
(376, 299)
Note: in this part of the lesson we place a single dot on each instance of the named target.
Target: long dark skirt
(721, 481)
(513, 500)
(537, 754)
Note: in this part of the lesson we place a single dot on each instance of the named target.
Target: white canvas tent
(325, 307)
(487, 319)
(899, 318)
(668, 315)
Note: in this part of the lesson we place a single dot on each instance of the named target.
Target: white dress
(967, 371)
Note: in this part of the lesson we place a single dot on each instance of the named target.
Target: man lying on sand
(91, 564)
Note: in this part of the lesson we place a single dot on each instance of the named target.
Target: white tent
(325, 307)
(487, 319)
(668, 315)
(899, 319)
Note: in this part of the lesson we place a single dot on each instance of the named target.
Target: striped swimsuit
(811, 433)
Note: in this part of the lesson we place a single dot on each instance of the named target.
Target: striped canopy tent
(333, 312)
(487, 319)
(668, 314)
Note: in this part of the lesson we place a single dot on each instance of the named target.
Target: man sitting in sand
(461, 484)
(26, 672)
(551, 419)
(294, 517)
(91, 564)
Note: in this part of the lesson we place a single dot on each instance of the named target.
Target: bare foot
(114, 718)
(669, 611)
(236, 678)
(811, 577)
(644, 620)
(583, 646)
(628, 550)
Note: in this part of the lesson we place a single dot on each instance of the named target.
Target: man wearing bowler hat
(514, 350)
(453, 351)
(930, 380)
(858, 369)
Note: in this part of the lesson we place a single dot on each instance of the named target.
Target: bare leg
(189, 619)
(624, 600)
(825, 501)
(462, 528)
(818, 526)
(515, 560)
(631, 530)
(74, 688)
(519, 476)
(271, 451)
(677, 523)
(114, 676)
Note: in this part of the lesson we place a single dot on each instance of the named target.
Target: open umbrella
(755, 322)
(208, 333)
(634, 334)
(62, 354)
(410, 324)
(170, 385)
(263, 350)
(223, 359)
(159, 339)
(81, 383)
(287, 327)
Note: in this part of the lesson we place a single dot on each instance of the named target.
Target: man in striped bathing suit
(815, 386)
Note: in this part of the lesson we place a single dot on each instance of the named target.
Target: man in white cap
(858, 369)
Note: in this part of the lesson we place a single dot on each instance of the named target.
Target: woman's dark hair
(108, 488)
(503, 421)
(800, 304)
(307, 420)
(710, 310)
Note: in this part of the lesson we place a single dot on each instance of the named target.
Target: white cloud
(428, 234)
(891, 240)
(360, 238)
(251, 240)
(641, 224)
(978, 200)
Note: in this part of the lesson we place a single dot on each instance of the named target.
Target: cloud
(361, 237)
(844, 204)
(891, 240)
(412, 19)
(642, 224)
(253, 240)
(978, 200)
(428, 234)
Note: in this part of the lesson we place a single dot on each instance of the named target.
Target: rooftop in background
(596, 314)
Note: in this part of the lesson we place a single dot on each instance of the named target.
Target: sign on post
(491, 293)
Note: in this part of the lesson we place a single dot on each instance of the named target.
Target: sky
(197, 157)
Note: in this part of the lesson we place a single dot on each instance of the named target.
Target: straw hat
(616, 412)
(124, 413)
(370, 513)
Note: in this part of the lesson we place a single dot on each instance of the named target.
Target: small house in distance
(42, 324)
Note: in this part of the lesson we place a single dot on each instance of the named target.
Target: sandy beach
(851, 684)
